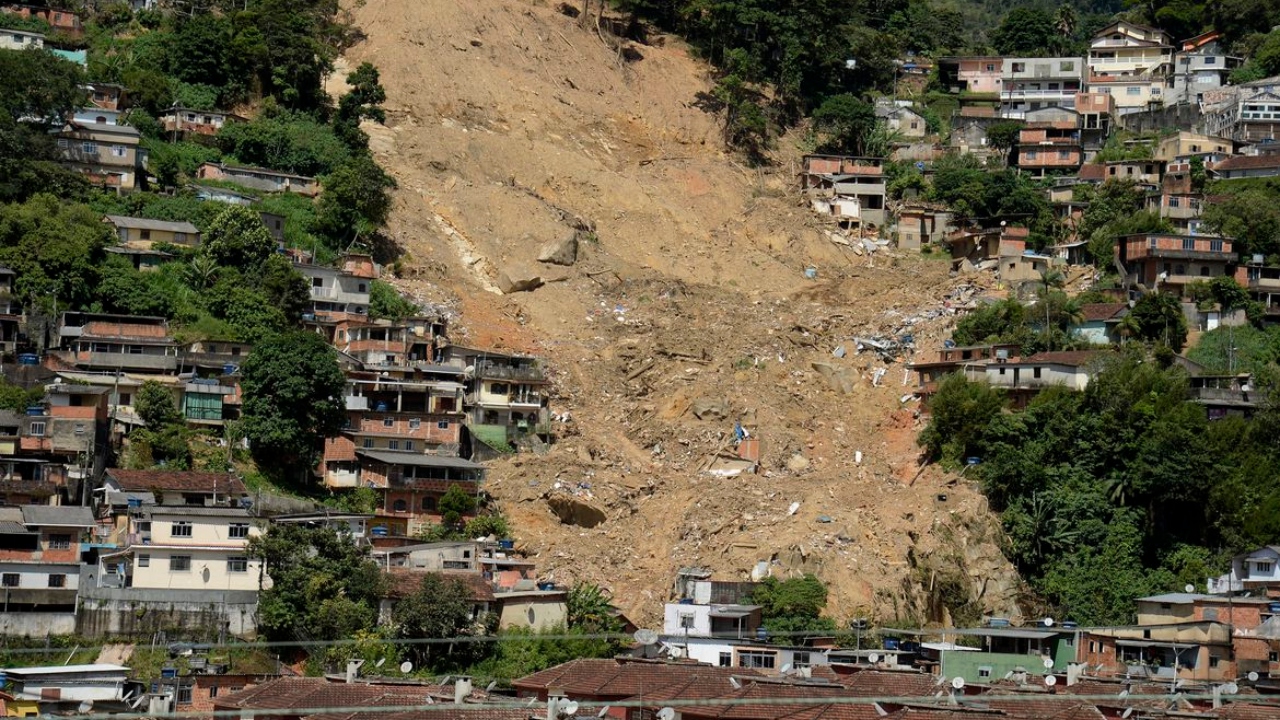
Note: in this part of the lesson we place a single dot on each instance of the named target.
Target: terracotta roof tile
(620, 678)
(1248, 162)
(401, 584)
(881, 683)
(1092, 172)
(1075, 358)
(1249, 711)
(1094, 312)
(177, 481)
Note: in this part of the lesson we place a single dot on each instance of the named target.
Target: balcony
(357, 402)
(119, 361)
(1179, 248)
(323, 293)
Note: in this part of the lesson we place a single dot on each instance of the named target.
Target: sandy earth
(510, 125)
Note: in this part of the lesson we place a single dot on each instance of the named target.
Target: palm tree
(1127, 328)
(202, 271)
(1066, 21)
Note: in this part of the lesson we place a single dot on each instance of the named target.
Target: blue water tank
(762, 634)
(28, 359)
(35, 410)
(380, 531)
(686, 601)
(891, 643)
(229, 369)
(380, 407)
(1273, 607)
(909, 646)
(507, 544)
(1070, 625)
(168, 672)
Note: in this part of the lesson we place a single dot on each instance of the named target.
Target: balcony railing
(494, 371)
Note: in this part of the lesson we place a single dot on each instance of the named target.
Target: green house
(1001, 652)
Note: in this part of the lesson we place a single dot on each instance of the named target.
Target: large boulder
(841, 380)
(573, 511)
(710, 409)
(560, 252)
(519, 278)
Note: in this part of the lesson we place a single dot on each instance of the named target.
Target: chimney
(554, 699)
(461, 690)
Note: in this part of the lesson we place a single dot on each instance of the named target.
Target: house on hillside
(62, 21)
(902, 120)
(1023, 378)
(1099, 322)
(1201, 64)
(144, 233)
(182, 122)
(1171, 262)
(40, 557)
(106, 154)
(1133, 63)
(20, 40)
(1249, 166)
(1050, 142)
(259, 178)
(1031, 83)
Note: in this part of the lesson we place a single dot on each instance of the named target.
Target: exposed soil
(511, 125)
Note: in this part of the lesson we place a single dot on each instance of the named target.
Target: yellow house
(142, 234)
(186, 548)
(109, 155)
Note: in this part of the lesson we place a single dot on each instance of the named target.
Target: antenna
(1124, 693)
(86, 706)
(957, 682)
(1127, 712)
(785, 669)
(491, 686)
(1050, 680)
(1230, 689)
(603, 711)
(645, 636)
(406, 667)
(666, 713)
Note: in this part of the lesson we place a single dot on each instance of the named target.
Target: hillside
(510, 126)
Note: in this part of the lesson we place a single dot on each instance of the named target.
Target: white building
(185, 548)
(20, 40)
(1252, 570)
(1034, 83)
(1132, 63)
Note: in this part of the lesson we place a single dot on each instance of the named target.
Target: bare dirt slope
(511, 125)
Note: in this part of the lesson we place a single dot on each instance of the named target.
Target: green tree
(1159, 318)
(55, 248)
(288, 141)
(293, 398)
(455, 503)
(363, 100)
(1025, 31)
(237, 238)
(355, 201)
(386, 302)
(155, 405)
(1003, 136)
(793, 605)
(442, 607)
(287, 289)
(39, 87)
(322, 585)
(960, 413)
(845, 122)
(589, 609)
(1249, 215)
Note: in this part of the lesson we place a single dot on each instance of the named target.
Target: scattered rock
(519, 279)
(710, 409)
(797, 463)
(561, 252)
(840, 379)
(573, 511)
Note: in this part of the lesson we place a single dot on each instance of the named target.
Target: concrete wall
(141, 612)
(208, 570)
(1165, 117)
(538, 612)
(37, 624)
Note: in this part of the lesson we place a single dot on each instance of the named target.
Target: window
(1215, 245)
(726, 659)
(144, 561)
(213, 691)
(1133, 90)
(1035, 373)
(388, 422)
(237, 564)
(757, 659)
(991, 67)
(1064, 154)
(393, 445)
(408, 444)
(180, 563)
(180, 528)
(57, 581)
(37, 429)
(89, 148)
(362, 288)
(184, 694)
(1067, 66)
(238, 530)
(800, 659)
(1213, 661)
(1273, 656)
(119, 151)
(9, 580)
(429, 504)
(59, 542)
(368, 443)
(498, 388)
(1019, 67)
(443, 425)
(1093, 646)
(1188, 243)
(146, 235)
(686, 621)
(984, 671)
(1031, 154)
(1263, 567)
(400, 506)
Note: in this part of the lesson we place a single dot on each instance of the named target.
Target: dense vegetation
(1121, 490)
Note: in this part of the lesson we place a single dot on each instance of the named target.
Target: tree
(1003, 136)
(960, 413)
(793, 605)
(385, 302)
(293, 398)
(1159, 318)
(355, 201)
(455, 503)
(846, 122)
(39, 87)
(237, 238)
(363, 100)
(1025, 31)
(287, 289)
(56, 248)
(155, 405)
(322, 586)
(441, 607)
(1249, 215)
(589, 609)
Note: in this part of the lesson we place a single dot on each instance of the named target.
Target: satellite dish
(569, 708)
(1048, 622)
(645, 636)
(1048, 663)
(1230, 689)
(1050, 680)
(1253, 677)
(1127, 712)
(380, 662)
(1124, 693)
(406, 667)
(603, 711)
(1190, 588)
(957, 682)
(491, 686)
(666, 713)
(785, 668)
(734, 682)
(86, 706)
(873, 658)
